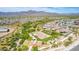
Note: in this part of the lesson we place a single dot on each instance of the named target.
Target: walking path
(30, 47)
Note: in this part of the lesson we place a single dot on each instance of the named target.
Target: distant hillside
(35, 13)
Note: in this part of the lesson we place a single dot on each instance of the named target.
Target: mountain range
(36, 13)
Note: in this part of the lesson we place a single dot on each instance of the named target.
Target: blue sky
(47, 9)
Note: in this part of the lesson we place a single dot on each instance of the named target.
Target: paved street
(75, 48)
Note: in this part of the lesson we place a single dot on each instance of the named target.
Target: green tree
(35, 48)
(25, 48)
(4, 49)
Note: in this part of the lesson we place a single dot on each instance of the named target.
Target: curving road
(75, 48)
